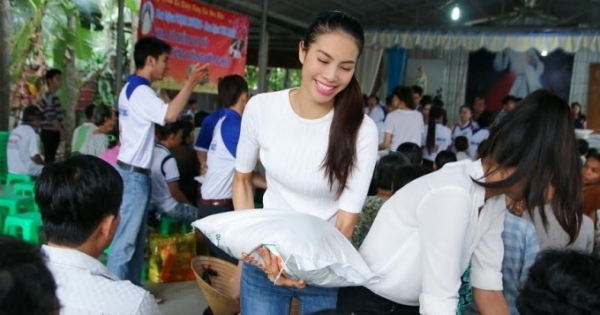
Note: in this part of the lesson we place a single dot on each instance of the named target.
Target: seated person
(110, 155)
(461, 144)
(393, 173)
(442, 158)
(187, 163)
(561, 283)
(412, 151)
(165, 192)
(82, 133)
(23, 148)
(26, 284)
(80, 200)
(97, 142)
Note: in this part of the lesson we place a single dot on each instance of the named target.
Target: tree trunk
(4, 64)
(72, 92)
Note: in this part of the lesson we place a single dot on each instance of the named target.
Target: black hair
(435, 113)
(461, 143)
(467, 107)
(538, 142)
(417, 90)
(26, 284)
(114, 134)
(486, 119)
(74, 197)
(102, 113)
(149, 46)
(163, 132)
(444, 157)
(89, 111)
(583, 146)
(375, 97)
(199, 118)
(438, 102)
(50, 74)
(31, 113)
(508, 98)
(404, 93)
(388, 99)
(388, 164)
(340, 158)
(187, 127)
(561, 283)
(592, 152)
(231, 89)
(406, 174)
(192, 101)
(412, 151)
(426, 99)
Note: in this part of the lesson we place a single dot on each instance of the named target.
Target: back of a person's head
(562, 283)
(537, 143)
(583, 146)
(31, 113)
(199, 118)
(75, 196)
(406, 174)
(426, 99)
(437, 102)
(231, 88)
(412, 151)
(405, 94)
(443, 158)
(417, 90)
(486, 119)
(168, 129)
(388, 100)
(26, 284)
(187, 128)
(102, 113)
(386, 169)
(149, 46)
(461, 143)
(89, 111)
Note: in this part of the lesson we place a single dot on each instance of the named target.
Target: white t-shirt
(23, 144)
(404, 126)
(163, 171)
(476, 139)
(292, 150)
(443, 139)
(139, 109)
(221, 157)
(95, 144)
(81, 134)
(462, 155)
(464, 131)
(426, 235)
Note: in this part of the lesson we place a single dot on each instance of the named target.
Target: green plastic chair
(15, 178)
(28, 223)
(3, 158)
(24, 189)
(11, 205)
(168, 226)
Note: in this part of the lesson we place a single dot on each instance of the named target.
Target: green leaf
(133, 6)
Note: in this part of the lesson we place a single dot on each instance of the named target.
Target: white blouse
(427, 234)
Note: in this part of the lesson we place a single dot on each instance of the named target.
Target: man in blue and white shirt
(139, 109)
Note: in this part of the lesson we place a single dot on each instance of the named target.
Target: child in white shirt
(437, 137)
(23, 148)
(461, 145)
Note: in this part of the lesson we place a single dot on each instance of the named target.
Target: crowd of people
(493, 214)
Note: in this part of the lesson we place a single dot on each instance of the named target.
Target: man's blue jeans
(126, 258)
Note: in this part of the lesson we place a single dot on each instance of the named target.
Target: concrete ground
(180, 298)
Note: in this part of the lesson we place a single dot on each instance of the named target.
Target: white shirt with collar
(163, 171)
(86, 287)
(429, 232)
(23, 144)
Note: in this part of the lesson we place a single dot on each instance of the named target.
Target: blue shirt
(207, 129)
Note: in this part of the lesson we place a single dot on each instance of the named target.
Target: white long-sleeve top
(292, 150)
(429, 232)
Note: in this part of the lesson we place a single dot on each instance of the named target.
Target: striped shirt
(51, 111)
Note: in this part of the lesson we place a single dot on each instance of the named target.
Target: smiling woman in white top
(435, 229)
(319, 150)
(404, 124)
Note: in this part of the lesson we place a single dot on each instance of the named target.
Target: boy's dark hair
(584, 146)
(444, 157)
(187, 128)
(375, 97)
(412, 151)
(561, 283)
(31, 113)
(89, 111)
(388, 100)
(74, 197)
(26, 284)
(50, 74)
(102, 113)
(417, 89)
(149, 46)
(406, 174)
(163, 132)
(386, 168)
(231, 88)
(486, 119)
(426, 99)
(461, 143)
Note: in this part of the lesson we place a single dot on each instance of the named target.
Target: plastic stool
(10, 205)
(29, 223)
(168, 224)
(15, 178)
(27, 189)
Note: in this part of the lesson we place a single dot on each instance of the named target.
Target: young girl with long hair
(437, 137)
(319, 151)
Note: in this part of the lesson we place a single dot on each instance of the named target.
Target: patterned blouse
(366, 218)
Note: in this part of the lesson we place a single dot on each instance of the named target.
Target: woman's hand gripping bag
(310, 248)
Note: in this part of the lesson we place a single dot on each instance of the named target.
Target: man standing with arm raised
(139, 109)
